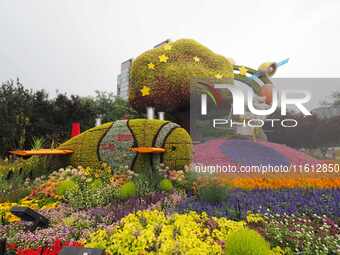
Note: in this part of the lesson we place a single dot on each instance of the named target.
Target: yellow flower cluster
(152, 232)
(5, 213)
(7, 216)
(254, 218)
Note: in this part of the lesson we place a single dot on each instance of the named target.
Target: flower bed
(248, 153)
(176, 213)
(54, 249)
(286, 201)
(67, 223)
(301, 234)
(285, 182)
(152, 232)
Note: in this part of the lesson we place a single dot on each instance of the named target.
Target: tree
(112, 108)
(15, 114)
(27, 114)
(301, 136)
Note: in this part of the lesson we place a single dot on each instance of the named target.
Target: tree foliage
(26, 114)
(311, 131)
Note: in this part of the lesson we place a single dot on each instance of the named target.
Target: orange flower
(275, 182)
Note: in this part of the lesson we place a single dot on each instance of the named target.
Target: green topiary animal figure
(139, 144)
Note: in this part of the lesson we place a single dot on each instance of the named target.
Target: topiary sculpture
(138, 144)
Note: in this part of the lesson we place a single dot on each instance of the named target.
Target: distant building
(327, 112)
(162, 43)
(124, 76)
(123, 80)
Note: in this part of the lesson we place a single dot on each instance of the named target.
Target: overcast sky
(76, 46)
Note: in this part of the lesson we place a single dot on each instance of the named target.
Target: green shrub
(189, 180)
(14, 190)
(38, 143)
(96, 184)
(85, 197)
(144, 185)
(128, 190)
(30, 168)
(213, 193)
(246, 242)
(166, 185)
(66, 186)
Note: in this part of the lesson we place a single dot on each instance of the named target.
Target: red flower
(53, 250)
(11, 246)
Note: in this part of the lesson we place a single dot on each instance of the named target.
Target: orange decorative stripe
(41, 152)
(144, 150)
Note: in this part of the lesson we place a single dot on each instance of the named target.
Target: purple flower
(289, 201)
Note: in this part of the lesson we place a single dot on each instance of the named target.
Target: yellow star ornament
(151, 66)
(145, 91)
(243, 70)
(196, 59)
(219, 76)
(163, 58)
(167, 47)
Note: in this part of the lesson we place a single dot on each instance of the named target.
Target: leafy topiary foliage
(85, 146)
(247, 242)
(111, 143)
(179, 149)
(175, 140)
(145, 130)
(170, 81)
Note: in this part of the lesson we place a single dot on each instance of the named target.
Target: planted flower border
(95, 208)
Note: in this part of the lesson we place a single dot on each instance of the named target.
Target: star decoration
(219, 76)
(167, 47)
(243, 70)
(163, 58)
(196, 59)
(151, 66)
(145, 91)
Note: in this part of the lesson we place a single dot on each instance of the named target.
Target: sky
(77, 46)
